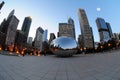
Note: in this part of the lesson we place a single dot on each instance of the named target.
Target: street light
(101, 47)
(81, 49)
(119, 40)
(109, 45)
(0, 47)
(85, 48)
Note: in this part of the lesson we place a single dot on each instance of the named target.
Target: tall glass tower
(39, 38)
(109, 29)
(26, 25)
(87, 35)
(103, 29)
(45, 35)
(1, 4)
(71, 21)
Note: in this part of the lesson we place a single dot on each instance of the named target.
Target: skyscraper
(52, 37)
(92, 36)
(64, 30)
(1, 4)
(67, 29)
(80, 42)
(11, 27)
(2, 24)
(29, 41)
(71, 22)
(45, 35)
(2, 38)
(20, 38)
(85, 29)
(116, 36)
(26, 25)
(103, 30)
(39, 38)
(11, 13)
(109, 29)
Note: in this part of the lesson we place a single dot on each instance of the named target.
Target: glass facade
(26, 25)
(106, 36)
(45, 35)
(1, 4)
(109, 29)
(101, 23)
(39, 38)
(104, 30)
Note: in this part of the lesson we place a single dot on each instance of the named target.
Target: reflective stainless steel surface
(63, 46)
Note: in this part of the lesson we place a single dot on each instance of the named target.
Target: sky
(49, 13)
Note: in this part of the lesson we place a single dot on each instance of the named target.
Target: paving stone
(88, 67)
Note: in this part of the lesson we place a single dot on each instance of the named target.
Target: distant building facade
(5, 23)
(1, 4)
(2, 38)
(45, 35)
(2, 25)
(109, 29)
(52, 37)
(67, 29)
(38, 38)
(104, 29)
(87, 35)
(71, 22)
(20, 38)
(29, 41)
(26, 25)
(9, 27)
(80, 42)
(11, 13)
(11, 32)
(116, 36)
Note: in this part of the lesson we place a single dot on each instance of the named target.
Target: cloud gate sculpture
(64, 46)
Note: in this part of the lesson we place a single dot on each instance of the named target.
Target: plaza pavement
(98, 66)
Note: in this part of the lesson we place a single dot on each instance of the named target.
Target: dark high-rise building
(101, 24)
(45, 35)
(26, 25)
(1, 4)
(2, 24)
(71, 22)
(116, 36)
(20, 38)
(85, 30)
(11, 13)
(10, 29)
(52, 37)
(29, 41)
(2, 38)
(109, 29)
(80, 42)
(92, 36)
(67, 29)
(103, 30)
